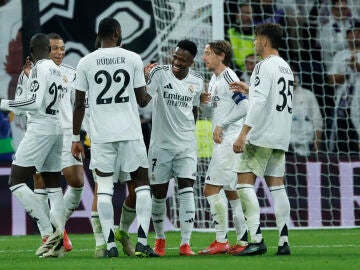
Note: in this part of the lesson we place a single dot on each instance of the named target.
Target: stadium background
(324, 190)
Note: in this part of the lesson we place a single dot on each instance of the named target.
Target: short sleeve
(139, 78)
(80, 81)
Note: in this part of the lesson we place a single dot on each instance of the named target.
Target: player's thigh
(67, 159)
(40, 151)
(160, 165)
(103, 157)
(132, 155)
(276, 165)
(184, 164)
(254, 160)
(221, 167)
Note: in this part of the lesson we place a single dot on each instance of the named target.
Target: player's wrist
(76, 138)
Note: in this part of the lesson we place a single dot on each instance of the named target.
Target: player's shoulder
(229, 75)
(159, 69)
(44, 62)
(44, 66)
(197, 75)
(66, 67)
(270, 63)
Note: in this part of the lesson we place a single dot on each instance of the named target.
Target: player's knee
(105, 185)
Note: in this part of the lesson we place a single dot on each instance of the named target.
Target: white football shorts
(67, 159)
(124, 156)
(165, 164)
(40, 151)
(221, 167)
(262, 161)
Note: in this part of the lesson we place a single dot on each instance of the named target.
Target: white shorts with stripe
(221, 167)
(168, 163)
(124, 156)
(40, 151)
(67, 159)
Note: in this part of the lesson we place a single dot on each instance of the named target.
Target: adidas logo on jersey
(168, 86)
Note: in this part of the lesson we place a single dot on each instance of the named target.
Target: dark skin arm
(195, 112)
(77, 148)
(142, 97)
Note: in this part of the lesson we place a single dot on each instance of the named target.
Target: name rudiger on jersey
(110, 61)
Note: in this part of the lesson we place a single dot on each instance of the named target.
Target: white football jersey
(109, 75)
(42, 99)
(270, 104)
(21, 91)
(67, 96)
(173, 124)
(223, 101)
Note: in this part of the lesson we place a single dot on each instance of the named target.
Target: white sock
(158, 216)
(30, 203)
(128, 215)
(219, 216)
(57, 207)
(186, 213)
(282, 212)
(250, 202)
(43, 201)
(97, 230)
(72, 198)
(105, 208)
(143, 212)
(239, 222)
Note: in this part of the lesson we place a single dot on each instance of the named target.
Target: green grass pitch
(311, 249)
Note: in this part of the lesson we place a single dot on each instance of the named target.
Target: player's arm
(79, 110)
(239, 86)
(238, 111)
(35, 92)
(195, 111)
(148, 67)
(142, 97)
(239, 143)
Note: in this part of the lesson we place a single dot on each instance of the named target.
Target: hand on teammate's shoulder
(239, 86)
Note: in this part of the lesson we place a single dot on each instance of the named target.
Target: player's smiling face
(57, 51)
(181, 62)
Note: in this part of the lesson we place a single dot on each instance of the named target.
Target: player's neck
(269, 52)
(40, 57)
(108, 44)
(219, 70)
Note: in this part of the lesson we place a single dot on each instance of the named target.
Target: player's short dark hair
(107, 27)
(222, 46)
(272, 31)
(188, 45)
(54, 36)
(39, 42)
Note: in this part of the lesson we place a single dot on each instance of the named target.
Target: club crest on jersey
(18, 91)
(65, 78)
(34, 86)
(191, 89)
(257, 81)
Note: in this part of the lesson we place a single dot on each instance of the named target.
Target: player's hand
(218, 135)
(148, 67)
(241, 87)
(205, 97)
(77, 151)
(239, 144)
(27, 66)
